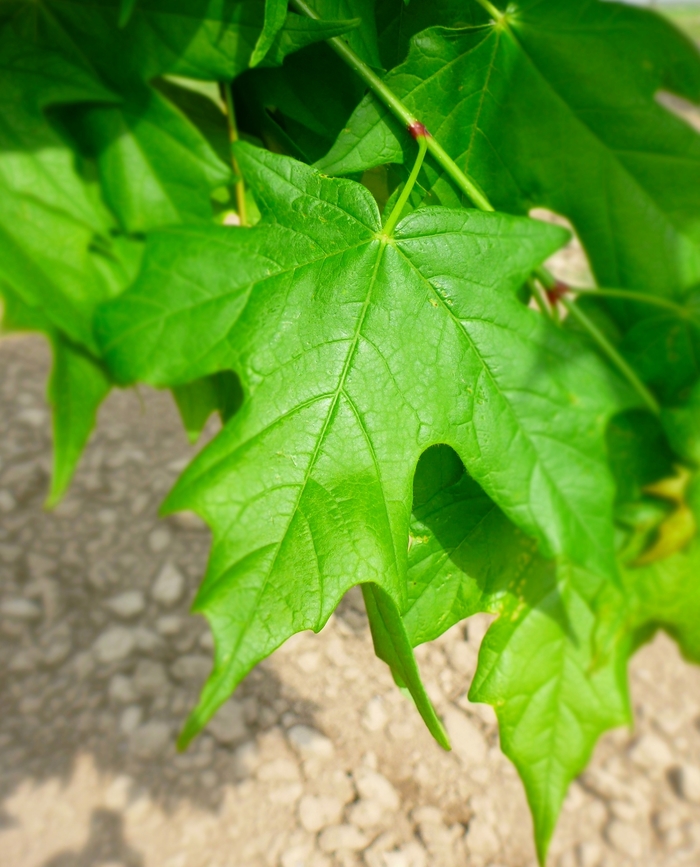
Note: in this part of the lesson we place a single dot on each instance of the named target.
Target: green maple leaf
(78, 385)
(665, 595)
(540, 665)
(275, 16)
(363, 40)
(356, 352)
(302, 105)
(44, 196)
(682, 426)
(283, 32)
(398, 21)
(554, 105)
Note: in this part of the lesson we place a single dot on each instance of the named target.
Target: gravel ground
(319, 760)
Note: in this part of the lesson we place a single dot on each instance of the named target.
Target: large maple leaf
(358, 351)
(553, 104)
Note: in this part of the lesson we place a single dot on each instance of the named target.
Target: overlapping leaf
(356, 353)
(539, 664)
(554, 105)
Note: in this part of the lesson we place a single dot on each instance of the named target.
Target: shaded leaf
(363, 40)
(275, 15)
(299, 32)
(78, 385)
(198, 400)
(398, 22)
(126, 7)
(682, 426)
(539, 664)
(666, 594)
(303, 105)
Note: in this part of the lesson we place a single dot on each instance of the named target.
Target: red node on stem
(557, 292)
(418, 130)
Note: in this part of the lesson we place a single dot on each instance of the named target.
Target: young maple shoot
(316, 225)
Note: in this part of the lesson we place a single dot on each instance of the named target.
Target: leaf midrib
(340, 390)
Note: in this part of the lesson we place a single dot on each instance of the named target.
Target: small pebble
(150, 679)
(686, 781)
(150, 740)
(169, 585)
(228, 724)
(317, 812)
(7, 502)
(191, 667)
(127, 604)
(650, 752)
(338, 837)
(169, 624)
(146, 639)
(376, 788)
(625, 838)
(114, 644)
(20, 609)
(310, 743)
(159, 539)
(375, 716)
(121, 689)
(57, 652)
(130, 719)
(278, 770)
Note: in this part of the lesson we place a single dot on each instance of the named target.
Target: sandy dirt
(318, 760)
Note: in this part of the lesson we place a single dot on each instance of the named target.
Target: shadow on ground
(98, 653)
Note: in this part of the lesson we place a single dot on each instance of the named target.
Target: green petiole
(395, 215)
(496, 14)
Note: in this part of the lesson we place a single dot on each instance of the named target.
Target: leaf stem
(540, 297)
(614, 356)
(233, 138)
(395, 215)
(639, 297)
(496, 14)
(401, 111)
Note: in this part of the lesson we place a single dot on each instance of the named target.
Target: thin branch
(233, 138)
(618, 361)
